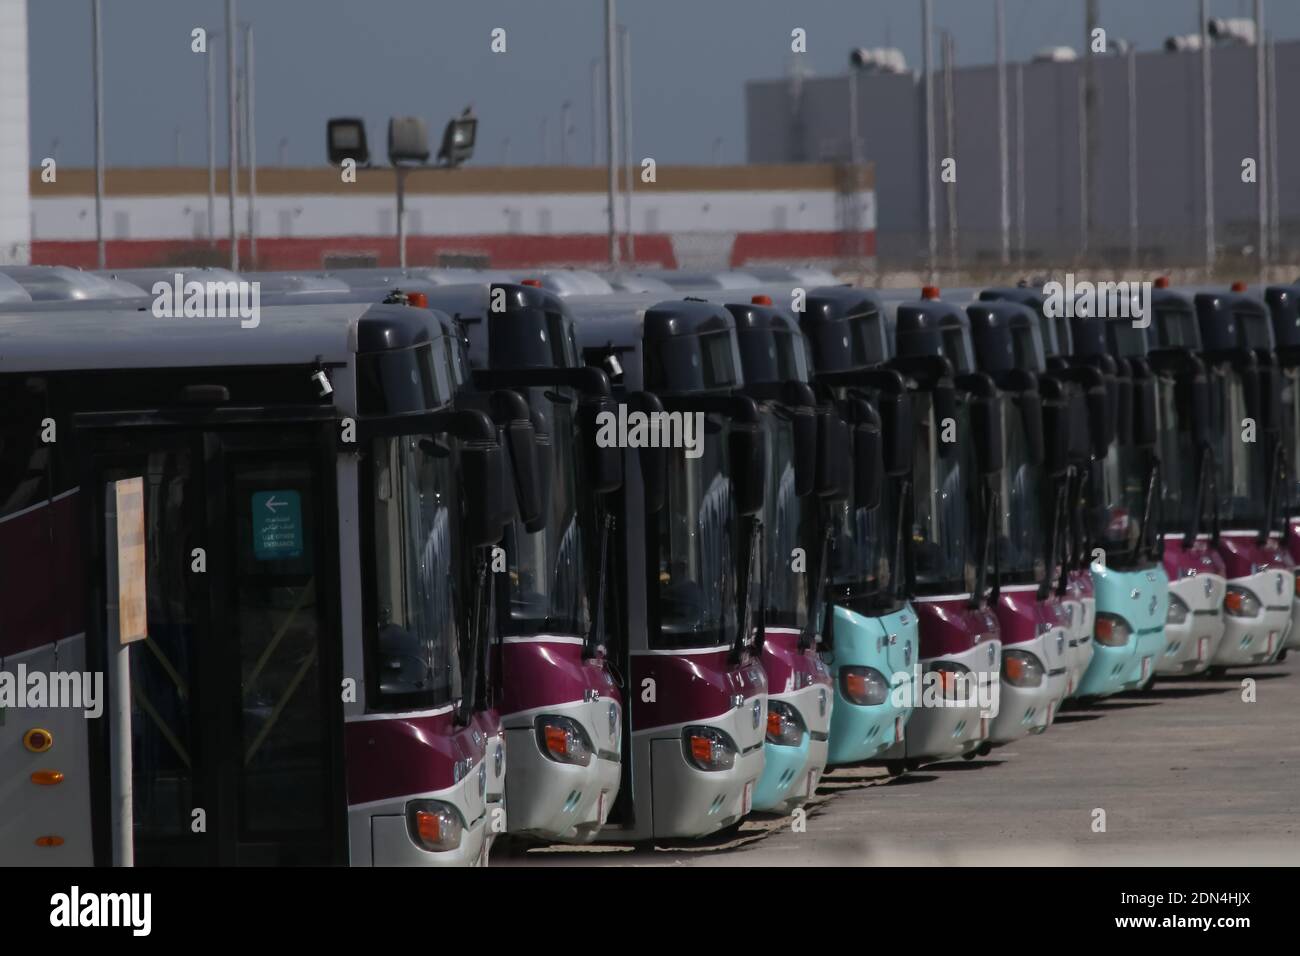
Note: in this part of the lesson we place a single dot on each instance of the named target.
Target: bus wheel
(1215, 672)
(969, 755)
(896, 768)
(1281, 657)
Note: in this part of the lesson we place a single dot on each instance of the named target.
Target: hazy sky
(376, 58)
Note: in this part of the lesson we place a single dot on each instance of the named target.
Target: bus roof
(113, 338)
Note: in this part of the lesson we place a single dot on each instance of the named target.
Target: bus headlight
(708, 748)
(784, 725)
(1112, 630)
(563, 740)
(434, 826)
(1241, 602)
(1177, 610)
(1021, 669)
(864, 686)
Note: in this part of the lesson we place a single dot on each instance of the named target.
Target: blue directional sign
(277, 525)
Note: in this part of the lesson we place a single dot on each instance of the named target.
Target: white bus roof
(49, 283)
(109, 338)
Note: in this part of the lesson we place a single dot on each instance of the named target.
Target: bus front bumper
(1190, 644)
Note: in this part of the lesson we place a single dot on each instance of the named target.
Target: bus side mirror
(487, 509)
(748, 466)
(805, 429)
(832, 464)
(654, 461)
(1199, 397)
(604, 462)
(945, 409)
(986, 422)
(896, 432)
(1031, 411)
(1144, 412)
(511, 414)
(868, 474)
(1100, 429)
(1055, 417)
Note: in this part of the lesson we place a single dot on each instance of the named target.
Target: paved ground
(1187, 774)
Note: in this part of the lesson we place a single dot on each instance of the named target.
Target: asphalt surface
(1187, 773)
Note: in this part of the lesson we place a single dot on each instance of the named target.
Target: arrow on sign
(272, 504)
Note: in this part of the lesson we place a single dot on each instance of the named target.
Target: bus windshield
(863, 542)
(416, 654)
(1240, 472)
(696, 547)
(1178, 459)
(1290, 379)
(1020, 524)
(942, 534)
(784, 520)
(546, 582)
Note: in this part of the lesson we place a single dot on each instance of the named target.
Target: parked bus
(870, 637)
(806, 472)
(552, 680)
(1245, 390)
(1033, 623)
(689, 523)
(957, 459)
(1128, 575)
(311, 585)
(1074, 407)
(1284, 307)
(1188, 514)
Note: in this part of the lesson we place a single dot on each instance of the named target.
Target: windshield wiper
(746, 581)
(478, 630)
(596, 638)
(808, 639)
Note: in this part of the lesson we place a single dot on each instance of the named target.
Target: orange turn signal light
(1233, 600)
(557, 740)
(761, 300)
(1015, 668)
(929, 292)
(417, 299)
(50, 840)
(702, 749)
(1162, 282)
(1239, 286)
(535, 283)
(47, 778)
(429, 826)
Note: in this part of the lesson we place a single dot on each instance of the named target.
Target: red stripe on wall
(502, 252)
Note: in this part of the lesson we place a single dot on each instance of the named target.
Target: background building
(805, 119)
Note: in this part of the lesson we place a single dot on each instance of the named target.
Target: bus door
(236, 714)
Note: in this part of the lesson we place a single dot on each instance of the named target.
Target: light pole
(931, 238)
(232, 123)
(1263, 171)
(1132, 159)
(564, 132)
(98, 70)
(626, 55)
(595, 111)
(210, 94)
(1004, 196)
(1207, 137)
(611, 114)
(252, 142)
(946, 54)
